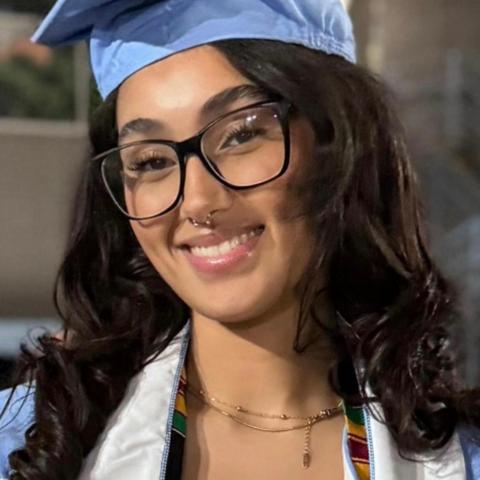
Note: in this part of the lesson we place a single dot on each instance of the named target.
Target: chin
(235, 312)
(224, 315)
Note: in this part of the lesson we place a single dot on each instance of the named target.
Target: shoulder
(14, 421)
(470, 441)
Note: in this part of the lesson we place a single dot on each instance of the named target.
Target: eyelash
(144, 160)
(239, 129)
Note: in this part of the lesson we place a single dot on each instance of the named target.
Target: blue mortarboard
(127, 35)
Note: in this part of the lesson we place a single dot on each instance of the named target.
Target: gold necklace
(308, 423)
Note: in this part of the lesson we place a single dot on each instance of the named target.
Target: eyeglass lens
(244, 149)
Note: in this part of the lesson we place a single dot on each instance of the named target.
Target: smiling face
(256, 255)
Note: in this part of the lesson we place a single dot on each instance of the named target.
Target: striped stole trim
(179, 424)
(357, 441)
(178, 433)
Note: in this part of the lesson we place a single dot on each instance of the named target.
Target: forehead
(183, 81)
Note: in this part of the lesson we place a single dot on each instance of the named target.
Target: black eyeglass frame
(193, 145)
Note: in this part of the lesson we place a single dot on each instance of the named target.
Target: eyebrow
(213, 106)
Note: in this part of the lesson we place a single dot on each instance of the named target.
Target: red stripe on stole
(358, 450)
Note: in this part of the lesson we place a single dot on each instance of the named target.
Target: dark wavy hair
(394, 309)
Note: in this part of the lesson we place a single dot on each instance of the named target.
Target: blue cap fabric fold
(127, 35)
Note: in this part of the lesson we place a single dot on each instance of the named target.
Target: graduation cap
(127, 35)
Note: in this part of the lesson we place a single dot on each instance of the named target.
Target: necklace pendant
(306, 460)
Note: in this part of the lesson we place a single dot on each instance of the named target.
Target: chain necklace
(307, 423)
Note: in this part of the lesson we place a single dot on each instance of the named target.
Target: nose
(202, 192)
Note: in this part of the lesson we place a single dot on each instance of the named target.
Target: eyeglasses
(242, 149)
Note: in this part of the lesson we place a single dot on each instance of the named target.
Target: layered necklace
(233, 412)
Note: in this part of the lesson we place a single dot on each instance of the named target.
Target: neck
(253, 364)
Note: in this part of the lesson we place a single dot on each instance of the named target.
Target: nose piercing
(208, 222)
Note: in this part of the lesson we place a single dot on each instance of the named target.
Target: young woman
(247, 292)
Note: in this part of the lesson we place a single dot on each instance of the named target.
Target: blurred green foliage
(36, 91)
(29, 90)
(32, 6)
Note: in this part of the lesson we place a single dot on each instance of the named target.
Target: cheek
(296, 185)
(292, 207)
(151, 193)
(297, 241)
(153, 238)
(136, 201)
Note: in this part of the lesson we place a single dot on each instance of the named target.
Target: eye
(149, 161)
(240, 135)
(151, 164)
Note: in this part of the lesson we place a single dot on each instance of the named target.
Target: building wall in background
(428, 51)
(44, 102)
(431, 54)
(39, 169)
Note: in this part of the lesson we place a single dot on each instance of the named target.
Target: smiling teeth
(225, 247)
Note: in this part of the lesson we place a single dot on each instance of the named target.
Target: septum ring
(208, 222)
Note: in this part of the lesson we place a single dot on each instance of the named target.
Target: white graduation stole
(135, 442)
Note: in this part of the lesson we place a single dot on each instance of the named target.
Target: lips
(227, 257)
(219, 236)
